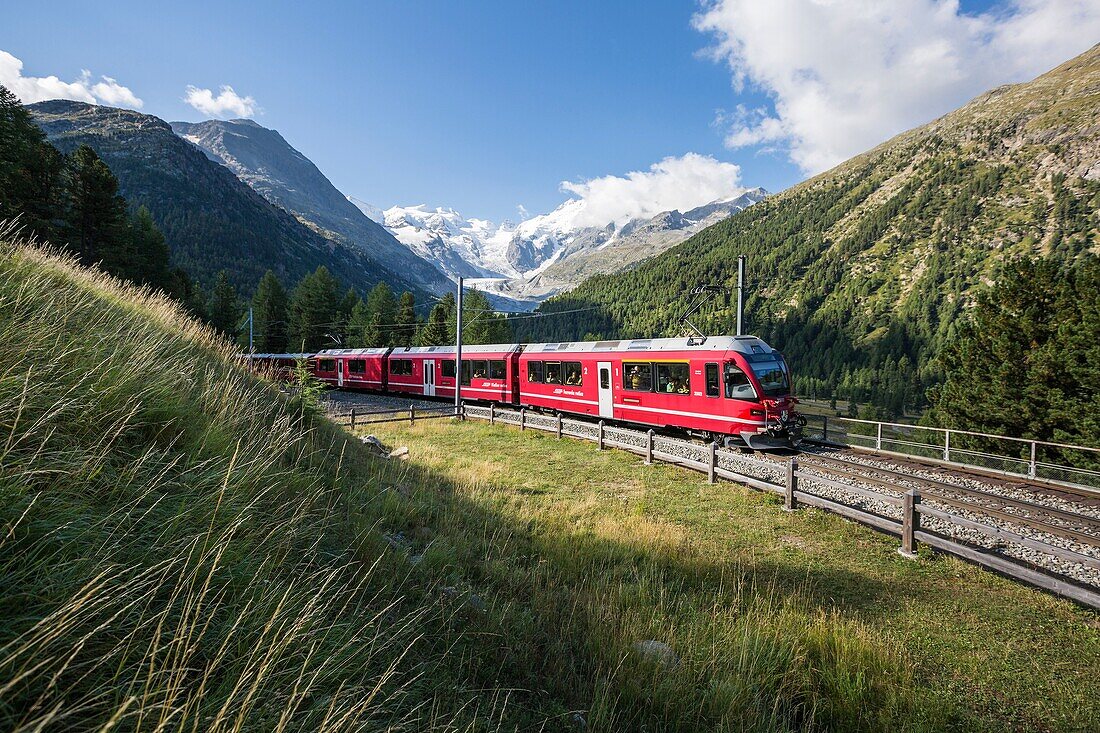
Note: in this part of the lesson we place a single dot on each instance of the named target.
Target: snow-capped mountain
(548, 253)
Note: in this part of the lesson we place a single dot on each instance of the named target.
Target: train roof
(466, 349)
(277, 356)
(354, 352)
(742, 344)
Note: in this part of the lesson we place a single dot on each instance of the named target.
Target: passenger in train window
(673, 377)
(574, 377)
(553, 372)
(638, 376)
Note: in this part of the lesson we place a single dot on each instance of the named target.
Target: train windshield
(771, 372)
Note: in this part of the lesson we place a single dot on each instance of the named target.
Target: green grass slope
(861, 273)
(183, 547)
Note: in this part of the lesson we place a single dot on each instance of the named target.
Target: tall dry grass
(175, 545)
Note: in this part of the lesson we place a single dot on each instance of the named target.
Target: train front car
(757, 376)
(731, 389)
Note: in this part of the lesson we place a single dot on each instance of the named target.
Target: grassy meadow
(780, 620)
(183, 546)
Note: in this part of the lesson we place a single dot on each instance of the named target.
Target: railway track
(1057, 521)
(1083, 494)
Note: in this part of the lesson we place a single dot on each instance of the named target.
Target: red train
(735, 389)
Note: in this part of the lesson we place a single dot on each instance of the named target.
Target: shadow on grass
(556, 614)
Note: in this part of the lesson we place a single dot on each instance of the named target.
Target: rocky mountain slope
(210, 218)
(548, 253)
(265, 161)
(862, 273)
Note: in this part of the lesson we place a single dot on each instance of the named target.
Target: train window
(673, 377)
(553, 372)
(326, 365)
(481, 369)
(534, 371)
(573, 373)
(357, 366)
(465, 372)
(638, 376)
(496, 369)
(771, 373)
(401, 367)
(449, 368)
(713, 387)
(605, 378)
(738, 386)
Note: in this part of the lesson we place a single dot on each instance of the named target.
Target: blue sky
(485, 106)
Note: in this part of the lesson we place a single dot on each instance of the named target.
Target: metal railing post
(523, 418)
(947, 445)
(878, 437)
(600, 439)
(910, 523)
(712, 468)
(412, 414)
(1032, 466)
(492, 413)
(353, 419)
(790, 501)
(559, 426)
(649, 448)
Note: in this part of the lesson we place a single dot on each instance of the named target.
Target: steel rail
(938, 494)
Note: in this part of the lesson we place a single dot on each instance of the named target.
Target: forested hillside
(210, 218)
(862, 274)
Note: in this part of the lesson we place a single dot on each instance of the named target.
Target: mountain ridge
(211, 219)
(545, 254)
(263, 159)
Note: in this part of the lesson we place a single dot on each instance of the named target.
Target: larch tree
(314, 312)
(225, 307)
(269, 315)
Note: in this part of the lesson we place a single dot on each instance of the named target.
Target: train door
(429, 378)
(341, 364)
(607, 402)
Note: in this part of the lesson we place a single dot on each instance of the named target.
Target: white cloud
(845, 75)
(674, 183)
(31, 89)
(226, 104)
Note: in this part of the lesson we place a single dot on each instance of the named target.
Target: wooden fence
(717, 463)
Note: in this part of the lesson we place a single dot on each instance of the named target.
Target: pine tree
(363, 328)
(435, 331)
(1027, 362)
(225, 307)
(96, 225)
(150, 265)
(269, 315)
(404, 331)
(314, 311)
(30, 169)
(347, 305)
(381, 303)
